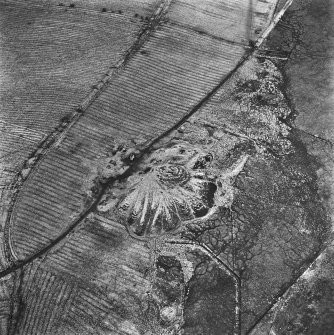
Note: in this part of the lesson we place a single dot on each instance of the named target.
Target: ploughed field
(236, 21)
(69, 293)
(171, 73)
(51, 55)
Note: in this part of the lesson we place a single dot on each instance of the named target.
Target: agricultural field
(72, 295)
(76, 298)
(43, 81)
(49, 63)
(237, 21)
(173, 70)
(138, 9)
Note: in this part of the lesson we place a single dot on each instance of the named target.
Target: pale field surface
(238, 21)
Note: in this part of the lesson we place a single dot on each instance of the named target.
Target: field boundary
(52, 140)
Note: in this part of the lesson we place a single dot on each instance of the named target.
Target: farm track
(184, 43)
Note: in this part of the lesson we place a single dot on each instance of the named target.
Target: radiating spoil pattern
(170, 75)
(175, 188)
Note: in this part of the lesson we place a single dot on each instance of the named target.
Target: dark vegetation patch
(310, 311)
(276, 226)
(169, 280)
(210, 303)
(306, 32)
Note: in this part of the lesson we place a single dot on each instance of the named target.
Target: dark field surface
(307, 32)
(210, 304)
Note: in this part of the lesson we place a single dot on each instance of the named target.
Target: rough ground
(306, 31)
